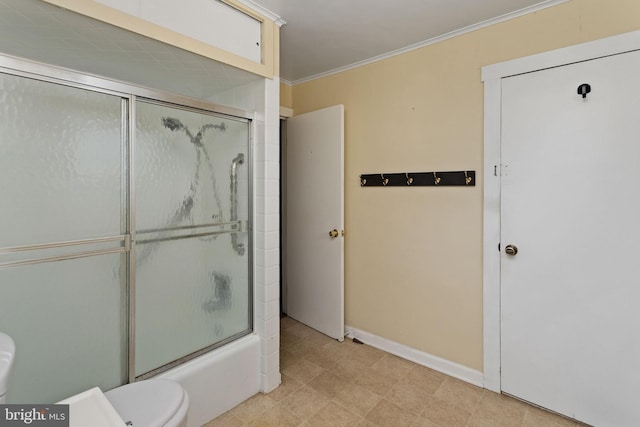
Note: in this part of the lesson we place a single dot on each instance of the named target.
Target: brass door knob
(511, 250)
(333, 233)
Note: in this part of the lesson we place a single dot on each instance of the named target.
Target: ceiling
(321, 36)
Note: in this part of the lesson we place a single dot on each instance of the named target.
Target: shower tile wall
(267, 192)
(263, 97)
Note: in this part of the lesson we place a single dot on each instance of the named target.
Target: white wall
(212, 22)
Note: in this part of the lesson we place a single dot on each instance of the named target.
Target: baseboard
(436, 363)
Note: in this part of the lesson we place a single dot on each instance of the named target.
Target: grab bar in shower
(237, 246)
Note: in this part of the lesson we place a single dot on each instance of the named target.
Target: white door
(314, 259)
(570, 297)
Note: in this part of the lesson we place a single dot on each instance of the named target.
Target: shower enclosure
(124, 230)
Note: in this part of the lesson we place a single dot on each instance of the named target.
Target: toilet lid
(147, 403)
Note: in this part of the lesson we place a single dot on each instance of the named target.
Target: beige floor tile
(425, 379)
(491, 398)
(252, 408)
(287, 322)
(287, 386)
(445, 414)
(341, 349)
(300, 330)
(318, 338)
(365, 354)
(300, 346)
(409, 396)
(288, 358)
(485, 417)
(276, 417)
(304, 402)
(333, 415)
(303, 371)
(331, 383)
(375, 381)
(393, 366)
(357, 399)
(366, 423)
(225, 420)
(328, 384)
(460, 394)
(323, 359)
(499, 411)
(423, 422)
(347, 368)
(535, 417)
(288, 339)
(386, 414)
(309, 335)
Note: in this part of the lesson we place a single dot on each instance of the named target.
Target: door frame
(285, 113)
(492, 76)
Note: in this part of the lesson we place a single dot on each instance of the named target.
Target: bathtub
(219, 380)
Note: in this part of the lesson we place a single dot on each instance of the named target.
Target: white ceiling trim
(264, 12)
(470, 28)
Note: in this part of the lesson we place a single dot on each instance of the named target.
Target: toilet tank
(7, 357)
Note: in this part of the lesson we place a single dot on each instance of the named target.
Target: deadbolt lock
(334, 233)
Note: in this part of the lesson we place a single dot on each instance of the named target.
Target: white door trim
(492, 75)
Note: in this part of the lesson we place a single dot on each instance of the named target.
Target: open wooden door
(314, 254)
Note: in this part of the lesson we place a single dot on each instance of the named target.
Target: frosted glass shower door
(192, 282)
(62, 237)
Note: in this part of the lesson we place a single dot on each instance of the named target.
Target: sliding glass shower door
(124, 232)
(62, 237)
(191, 204)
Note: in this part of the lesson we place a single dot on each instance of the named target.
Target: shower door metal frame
(130, 94)
(214, 229)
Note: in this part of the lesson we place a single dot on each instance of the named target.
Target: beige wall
(286, 95)
(414, 255)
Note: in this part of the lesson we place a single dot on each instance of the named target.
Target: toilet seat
(7, 351)
(151, 403)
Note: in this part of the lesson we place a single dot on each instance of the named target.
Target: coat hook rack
(419, 179)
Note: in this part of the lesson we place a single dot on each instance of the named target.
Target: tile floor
(328, 383)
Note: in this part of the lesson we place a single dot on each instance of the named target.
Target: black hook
(584, 89)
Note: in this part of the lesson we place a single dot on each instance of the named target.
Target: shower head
(172, 124)
(221, 127)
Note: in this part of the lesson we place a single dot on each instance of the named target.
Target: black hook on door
(584, 89)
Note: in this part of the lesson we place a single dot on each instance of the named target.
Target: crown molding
(516, 14)
(264, 11)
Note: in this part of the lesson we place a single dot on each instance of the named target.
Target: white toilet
(151, 403)
(7, 357)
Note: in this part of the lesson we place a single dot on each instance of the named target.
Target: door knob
(333, 233)
(511, 250)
